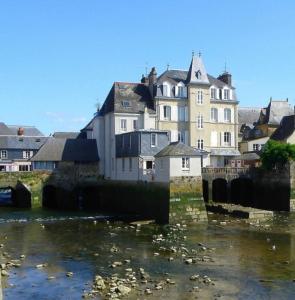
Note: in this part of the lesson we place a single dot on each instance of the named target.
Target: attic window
(125, 103)
(21, 139)
(38, 140)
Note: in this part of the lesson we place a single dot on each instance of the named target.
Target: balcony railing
(211, 170)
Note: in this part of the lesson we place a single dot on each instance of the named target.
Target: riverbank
(226, 259)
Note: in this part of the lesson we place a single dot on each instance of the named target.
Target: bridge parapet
(210, 173)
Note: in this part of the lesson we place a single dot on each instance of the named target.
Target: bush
(275, 154)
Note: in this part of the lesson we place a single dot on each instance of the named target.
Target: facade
(17, 145)
(192, 106)
(135, 153)
(177, 160)
(267, 123)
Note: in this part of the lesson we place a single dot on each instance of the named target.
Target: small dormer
(166, 89)
(180, 90)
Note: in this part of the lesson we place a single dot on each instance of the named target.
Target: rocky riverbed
(75, 257)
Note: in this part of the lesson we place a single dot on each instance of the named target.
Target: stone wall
(186, 200)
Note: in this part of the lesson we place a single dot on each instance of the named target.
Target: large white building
(191, 106)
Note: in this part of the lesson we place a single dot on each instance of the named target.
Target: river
(226, 259)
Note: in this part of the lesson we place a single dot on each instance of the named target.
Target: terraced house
(191, 106)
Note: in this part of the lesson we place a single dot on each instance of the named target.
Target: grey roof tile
(59, 149)
(21, 142)
(286, 128)
(178, 149)
(65, 135)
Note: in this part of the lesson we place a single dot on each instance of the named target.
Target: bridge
(254, 187)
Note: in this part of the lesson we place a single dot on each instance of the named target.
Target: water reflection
(244, 264)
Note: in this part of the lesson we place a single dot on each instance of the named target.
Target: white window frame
(199, 97)
(27, 154)
(200, 122)
(166, 115)
(200, 144)
(123, 124)
(153, 142)
(227, 115)
(185, 163)
(227, 138)
(214, 114)
(256, 147)
(180, 91)
(213, 93)
(226, 94)
(3, 154)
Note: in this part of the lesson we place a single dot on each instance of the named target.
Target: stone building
(268, 121)
(192, 106)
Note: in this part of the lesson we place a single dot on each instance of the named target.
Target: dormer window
(165, 90)
(213, 93)
(125, 103)
(226, 94)
(180, 91)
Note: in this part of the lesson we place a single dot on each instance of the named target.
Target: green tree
(275, 154)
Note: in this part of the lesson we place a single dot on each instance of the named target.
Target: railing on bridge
(225, 170)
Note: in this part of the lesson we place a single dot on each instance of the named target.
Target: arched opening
(219, 190)
(49, 196)
(6, 196)
(242, 191)
(205, 190)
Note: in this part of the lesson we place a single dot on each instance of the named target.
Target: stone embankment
(240, 211)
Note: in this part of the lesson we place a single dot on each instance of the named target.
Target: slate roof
(248, 115)
(28, 130)
(224, 152)
(65, 135)
(286, 128)
(178, 149)
(21, 142)
(176, 76)
(247, 156)
(77, 150)
(275, 111)
(4, 130)
(126, 97)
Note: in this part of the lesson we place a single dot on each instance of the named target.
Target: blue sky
(58, 58)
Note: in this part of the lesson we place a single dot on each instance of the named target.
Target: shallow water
(244, 265)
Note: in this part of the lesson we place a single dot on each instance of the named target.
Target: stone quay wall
(186, 200)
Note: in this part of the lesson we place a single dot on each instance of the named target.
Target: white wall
(176, 167)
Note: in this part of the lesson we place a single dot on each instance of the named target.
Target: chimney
(152, 80)
(225, 77)
(144, 80)
(20, 131)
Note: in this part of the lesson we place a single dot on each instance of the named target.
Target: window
(27, 154)
(3, 154)
(134, 124)
(38, 140)
(226, 94)
(167, 112)
(130, 164)
(123, 124)
(213, 93)
(153, 140)
(227, 115)
(165, 90)
(180, 91)
(181, 136)
(185, 163)
(220, 94)
(200, 97)
(123, 164)
(181, 112)
(125, 103)
(200, 124)
(200, 144)
(149, 164)
(226, 138)
(24, 168)
(214, 114)
(256, 147)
